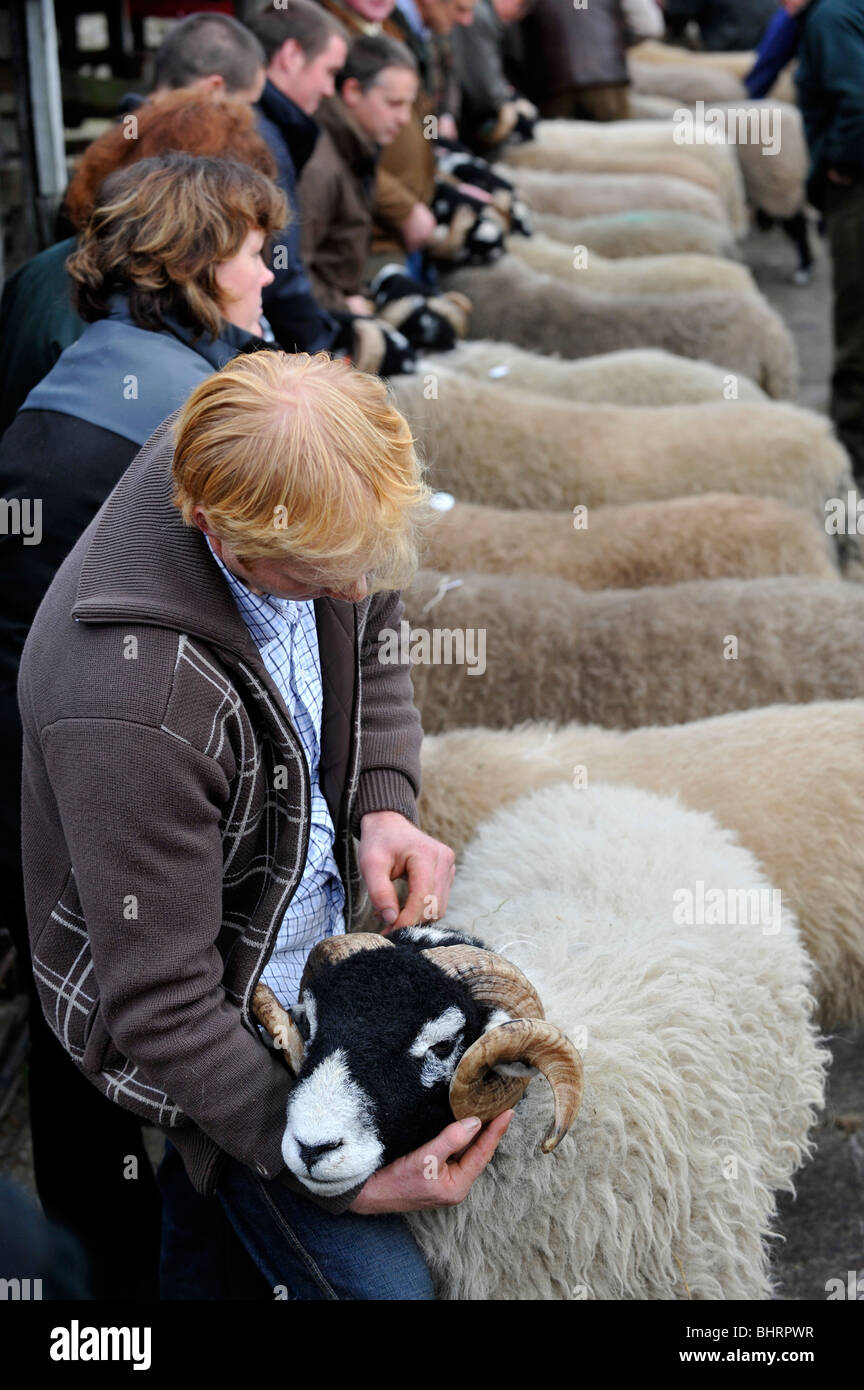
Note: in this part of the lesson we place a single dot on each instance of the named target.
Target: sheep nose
(310, 1153)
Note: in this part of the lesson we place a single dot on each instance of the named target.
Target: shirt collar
(412, 17)
(261, 611)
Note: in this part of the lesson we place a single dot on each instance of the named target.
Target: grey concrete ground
(821, 1229)
(823, 1226)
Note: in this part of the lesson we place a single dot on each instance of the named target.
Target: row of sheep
(648, 681)
(633, 240)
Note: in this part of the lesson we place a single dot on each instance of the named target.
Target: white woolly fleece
(703, 1072)
(634, 376)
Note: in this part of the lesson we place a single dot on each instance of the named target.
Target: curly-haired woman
(38, 317)
(168, 276)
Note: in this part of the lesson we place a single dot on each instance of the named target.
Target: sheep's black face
(384, 1032)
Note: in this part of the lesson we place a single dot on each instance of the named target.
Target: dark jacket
(566, 48)
(337, 195)
(830, 82)
(725, 25)
(126, 378)
(76, 434)
(777, 47)
(479, 67)
(37, 321)
(406, 169)
(299, 323)
(158, 858)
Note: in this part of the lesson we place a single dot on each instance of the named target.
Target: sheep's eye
(443, 1049)
(299, 1017)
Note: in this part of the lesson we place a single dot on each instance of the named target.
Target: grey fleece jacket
(165, 815)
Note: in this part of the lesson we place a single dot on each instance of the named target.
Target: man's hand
(418, 227)
(359, 304)
(432, 1176)
(447, 127)
(837, 177)
(391, 847)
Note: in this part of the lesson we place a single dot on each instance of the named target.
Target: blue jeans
(297, 1250)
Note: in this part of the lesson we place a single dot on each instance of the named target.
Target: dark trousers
(295, 1249)
(844, 217)
(92, 1171)
(602, 102)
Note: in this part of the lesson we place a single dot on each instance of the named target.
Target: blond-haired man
(198, 761)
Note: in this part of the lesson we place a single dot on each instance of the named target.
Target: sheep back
(523, 450)
(634, 376)
(684, 82)
(753, 770)
(736, 330)
(554, 140)
(574, 194)
(702, 1068)
(776, 183)
(627, 658)
(667, 274)
(715, 536)
(639, 233)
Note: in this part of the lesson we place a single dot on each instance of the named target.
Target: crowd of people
(275, 216)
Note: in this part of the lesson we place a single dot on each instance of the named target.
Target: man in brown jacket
(375, 93)
(168, 792)
(405, 180)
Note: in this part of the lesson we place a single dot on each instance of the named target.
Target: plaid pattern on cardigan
(166, 814)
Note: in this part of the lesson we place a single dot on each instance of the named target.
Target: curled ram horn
(279, 1024)
(335, 948)
(490, 978)
(475, 1089)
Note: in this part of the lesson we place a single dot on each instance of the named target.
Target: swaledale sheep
(583, 159)
(736, 330)
(378, 1078)
(754, 771)
(640, 233)
(685, 82)
(703, 1074)
(524, 450)
(672, 274)
(496, 649)
(559, 146)
(716, 536)
(636, 376)
(589, 195)
(737, 63)
(775, 182)
(652, 108)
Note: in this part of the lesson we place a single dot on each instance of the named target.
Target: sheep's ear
(495, 1019)
(423, 936)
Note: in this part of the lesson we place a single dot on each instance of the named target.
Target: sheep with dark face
(464, 1034)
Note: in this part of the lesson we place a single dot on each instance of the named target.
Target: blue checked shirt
(284, 632)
